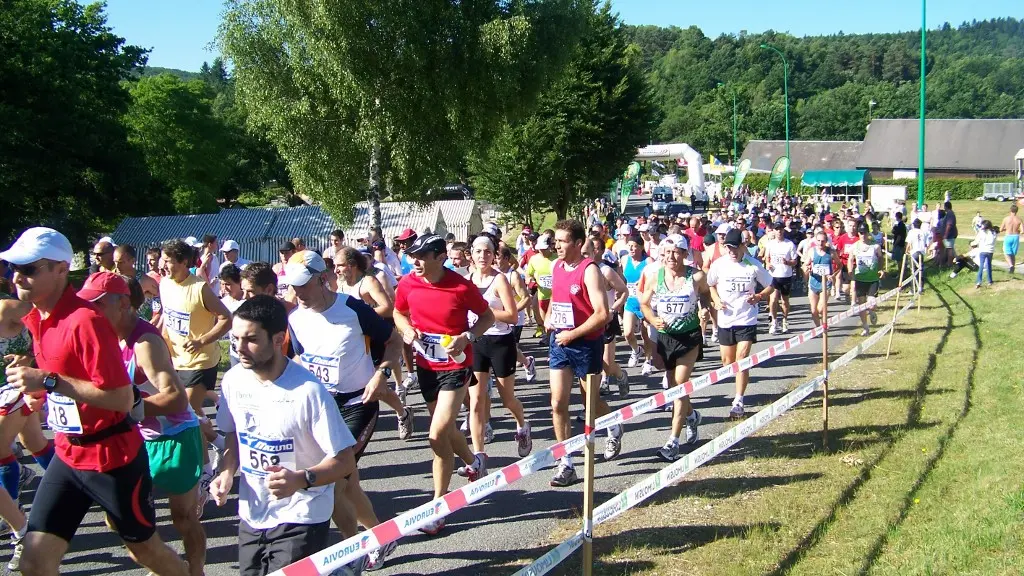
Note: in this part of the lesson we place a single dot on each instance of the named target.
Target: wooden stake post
(896, 305)
(593, 385)
(824, 367)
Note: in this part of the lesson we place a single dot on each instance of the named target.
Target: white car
(660, 199)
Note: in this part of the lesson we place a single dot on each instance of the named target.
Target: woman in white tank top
(351, 267)
(507, 264)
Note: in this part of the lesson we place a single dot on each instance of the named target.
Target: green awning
(817, 178)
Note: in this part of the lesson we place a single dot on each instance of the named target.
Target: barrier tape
(348, 550)
(672, 473)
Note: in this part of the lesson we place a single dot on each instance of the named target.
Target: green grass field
(923, 473)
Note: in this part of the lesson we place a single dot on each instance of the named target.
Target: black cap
(428, 243)
(734, 239)
(286, 246)
(379, 245)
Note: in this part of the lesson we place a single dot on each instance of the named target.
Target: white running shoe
(564, 476)
(433, 528)
(613, 445)
(411, 381)
(464, 428)
(403, 393)
(737, 412)
(524, 443)
(647, 368)
(785, 325)
(25, 477)
(692, 422)
(488, 433)
(771, 327)
(531, 369)
(714, 336)
(14, 564)
(406, 424)
(205, 479)
(669, 452)
(864, 331)
(375, 560)
(634, 359)
(476, 470)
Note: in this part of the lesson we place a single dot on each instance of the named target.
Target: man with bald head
(103, 256)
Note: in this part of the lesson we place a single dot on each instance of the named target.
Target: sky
(180, 33)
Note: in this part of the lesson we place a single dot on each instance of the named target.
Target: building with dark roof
(804, 154)
(953, 148)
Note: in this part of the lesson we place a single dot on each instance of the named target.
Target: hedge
(934, 188)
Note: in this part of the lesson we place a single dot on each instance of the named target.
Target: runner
(865, 267)
(617, 295)
(539, 269)
(354, 281)
(632, 319)
(286, 435)
(233, 296)
(781, 256)
(822, 270)
(494, 350)
(680, 342)
(103, 256)
(124, 264)
(153, 265)
(917, 241)
(578, 315)
(712, 253)
(230, 250)
(285, 251)
(100, 457)
(733, 281)
(1012, 228)
(507, 266)
(174, 443)
(209, 262)
(431, 311)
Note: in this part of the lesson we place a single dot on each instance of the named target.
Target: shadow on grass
(847, 496)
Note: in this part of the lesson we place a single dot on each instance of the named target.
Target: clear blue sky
(180, 32)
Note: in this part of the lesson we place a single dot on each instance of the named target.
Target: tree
(171, 121)
(585, 130)
(64, 156)
(356, 92)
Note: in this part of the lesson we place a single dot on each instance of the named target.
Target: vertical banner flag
(659, 165)
(778, 173)
(741, 173)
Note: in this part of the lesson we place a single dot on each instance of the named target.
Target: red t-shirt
(436, 309)
(78, 342)
(526, 257)
(695, 239)
(841, 243)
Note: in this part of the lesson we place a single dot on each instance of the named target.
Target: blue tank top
(821, 265)
(633, 272)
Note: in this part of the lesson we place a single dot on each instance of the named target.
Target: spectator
(949, 235)
(985, 242)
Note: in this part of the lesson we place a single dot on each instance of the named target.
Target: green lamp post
(785, 94)
(920, 144)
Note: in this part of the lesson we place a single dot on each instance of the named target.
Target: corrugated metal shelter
(956, 147)
(397, 216)
(461, 217)
(311, 223)
(804, 154)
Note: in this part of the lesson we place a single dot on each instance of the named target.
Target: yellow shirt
(539, 268)
(186, 318)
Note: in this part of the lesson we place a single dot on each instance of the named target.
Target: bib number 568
(262, 461)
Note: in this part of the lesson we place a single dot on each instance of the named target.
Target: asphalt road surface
(509, 525)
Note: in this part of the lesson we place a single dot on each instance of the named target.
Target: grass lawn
(923, 473)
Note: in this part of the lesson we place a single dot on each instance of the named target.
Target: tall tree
(64, 156)
(348, 88)
(585, 130)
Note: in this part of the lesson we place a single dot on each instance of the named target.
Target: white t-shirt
(293, 423)
(231, 304)
(778, 251)
(735, 282)
(917, 240)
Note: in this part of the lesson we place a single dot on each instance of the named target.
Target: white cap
(492, 229)
(677, 240)
(300, 272)
(625, 230)
(228, 246)
(37, 244)
(723, 229)
(108, 240)
(643, 227)
(193, 242)
(543, 242)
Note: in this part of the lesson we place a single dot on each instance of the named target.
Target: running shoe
(714, 336)
(771, 327)
(692, 422)
(205, 479)
(864, 331)
(565, 476)
(476, 470)
(5, 528)
(539, 332)
(669, 452)
(604, 388)
(375, 559)
(14, 564)
(581, 417)
(737, 412)
(411, 381)
(634, 359)
(464, 428)
(623, 383)
(785, 325)
(613, 445)
(406, 424)
(25, 478)
(403, 393)
(433, 528)
(524, 442)
(488, 433)
(647, 368)
(531, 369)
(874, 317)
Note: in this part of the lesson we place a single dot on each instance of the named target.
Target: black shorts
(261, 552)
(518, 332)
(360, 418)
(65, 495)
(673, 347)
(783, 285)
(844, 274)
(613, 330)
(730, 336)
(433, 382)
(377, 350)
(495, 352)
(865, 289)
(206, 378)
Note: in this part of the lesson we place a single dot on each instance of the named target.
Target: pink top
(570, 302)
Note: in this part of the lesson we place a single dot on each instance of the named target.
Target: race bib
(63, 416)
(633, 288)
(258, 454)
(431, 348)
(738, 285)
(326, 368)
(821, 270)
(674, 306)
(177, 322)
(779, 259)
(867, 259)
(562, 316)
(544, 281)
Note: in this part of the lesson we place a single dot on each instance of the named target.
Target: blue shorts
(582, 356)
(814, 284)
(633, 305)
(1011, 242)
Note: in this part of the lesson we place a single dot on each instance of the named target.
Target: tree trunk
(373, 193)
(562, 206)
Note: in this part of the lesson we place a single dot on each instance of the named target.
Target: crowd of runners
(124, 370)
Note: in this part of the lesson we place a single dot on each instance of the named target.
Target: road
(509, 526)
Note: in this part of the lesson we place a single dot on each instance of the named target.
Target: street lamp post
(871, 107)
(734, 124)
(785, 94)
(920, 144)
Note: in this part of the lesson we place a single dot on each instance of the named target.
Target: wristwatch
(310, 478)
(469, 336)
(50, 382)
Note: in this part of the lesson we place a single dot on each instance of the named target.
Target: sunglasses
(27, 270)
(100, 253)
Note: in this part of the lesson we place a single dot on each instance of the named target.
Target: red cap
(829, 217)
(406, 234)
(101, 283)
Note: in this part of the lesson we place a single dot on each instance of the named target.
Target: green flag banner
(778, 173)
(741, 173)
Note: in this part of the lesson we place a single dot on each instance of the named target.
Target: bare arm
(11, 313)
(385, 306)
(153, 358)
(618, 284)
(509, 313)
(84, 392)
(645, 306)
(218, 309)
